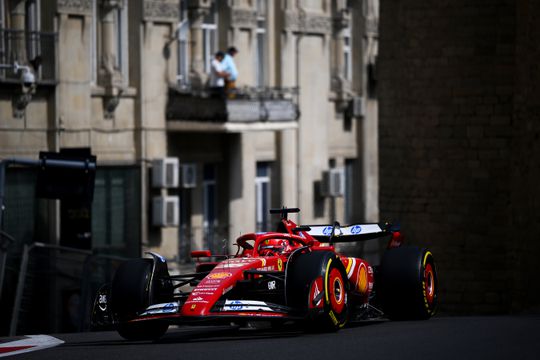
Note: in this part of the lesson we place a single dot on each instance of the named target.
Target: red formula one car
(291, 274)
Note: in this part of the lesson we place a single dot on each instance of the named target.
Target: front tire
(408, 284)
(130, 294)
(317, 286)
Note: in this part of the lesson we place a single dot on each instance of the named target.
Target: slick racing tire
(408, 284)
(130, 293)
(317, 286)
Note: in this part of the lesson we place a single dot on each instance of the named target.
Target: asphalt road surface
(497, 337)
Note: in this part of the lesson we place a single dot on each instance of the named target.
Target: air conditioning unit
(165, 172)
(189, 175)
(333, 182)
(165, 211)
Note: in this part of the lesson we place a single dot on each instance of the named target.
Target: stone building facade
(127, 80)
(459, 144)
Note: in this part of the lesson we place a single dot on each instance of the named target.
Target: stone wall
(456, 140)
(525, 172)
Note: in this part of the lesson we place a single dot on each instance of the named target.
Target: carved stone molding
(244, 18)
(161, 10)
(76, 7)
(307, 23)
(109, 5)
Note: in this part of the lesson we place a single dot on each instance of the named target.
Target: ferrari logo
(279, 264)
(362, 281)
(193, 307)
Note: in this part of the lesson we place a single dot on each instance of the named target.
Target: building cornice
(76, 7)
(244, 18)
(161, 10)
(308, 23)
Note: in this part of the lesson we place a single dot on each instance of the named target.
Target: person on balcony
(218, 75)
(230, 67)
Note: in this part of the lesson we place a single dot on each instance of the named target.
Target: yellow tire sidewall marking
(326, 282)
(428, 253)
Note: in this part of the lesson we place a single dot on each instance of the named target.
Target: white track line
(31, 343)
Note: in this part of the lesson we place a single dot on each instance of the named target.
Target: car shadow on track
(196, 334)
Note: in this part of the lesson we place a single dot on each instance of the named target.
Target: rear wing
(350, 233)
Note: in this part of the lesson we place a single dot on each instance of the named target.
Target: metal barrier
(58, 281)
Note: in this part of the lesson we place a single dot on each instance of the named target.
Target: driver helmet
(273, 247)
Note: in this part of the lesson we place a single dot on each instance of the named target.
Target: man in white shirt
(217, 75)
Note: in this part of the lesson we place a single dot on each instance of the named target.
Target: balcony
(34, 48)
(244, 110)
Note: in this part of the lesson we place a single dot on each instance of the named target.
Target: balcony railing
(34, 48)
(244, 105)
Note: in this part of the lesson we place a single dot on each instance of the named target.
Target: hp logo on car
(356, 229)
(327, 231)
(236, 305)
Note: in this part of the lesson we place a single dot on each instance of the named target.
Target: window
(348, 195)
(209, 208)
(109, 42)
(183, 47)
(115, 210)
(94, 44)
(2, 14)
(209, 30)
(263, 196)
(260, 56)
(347, 55)
(120, 38)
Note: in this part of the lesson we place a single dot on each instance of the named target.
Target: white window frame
(207, 184)
(210, 37)
(182, 76)
(210, 225)
(347, 53)
(3, 58)
(94, 44)
(2, 14)
(183, 54)
(261, 39)
(122, 28)
(261, 217)
(349, 190)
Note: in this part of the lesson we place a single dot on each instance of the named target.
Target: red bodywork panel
(225, 274)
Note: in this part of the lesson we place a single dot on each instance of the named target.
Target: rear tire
(408, 284)
(317, 286)
(130, 294)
